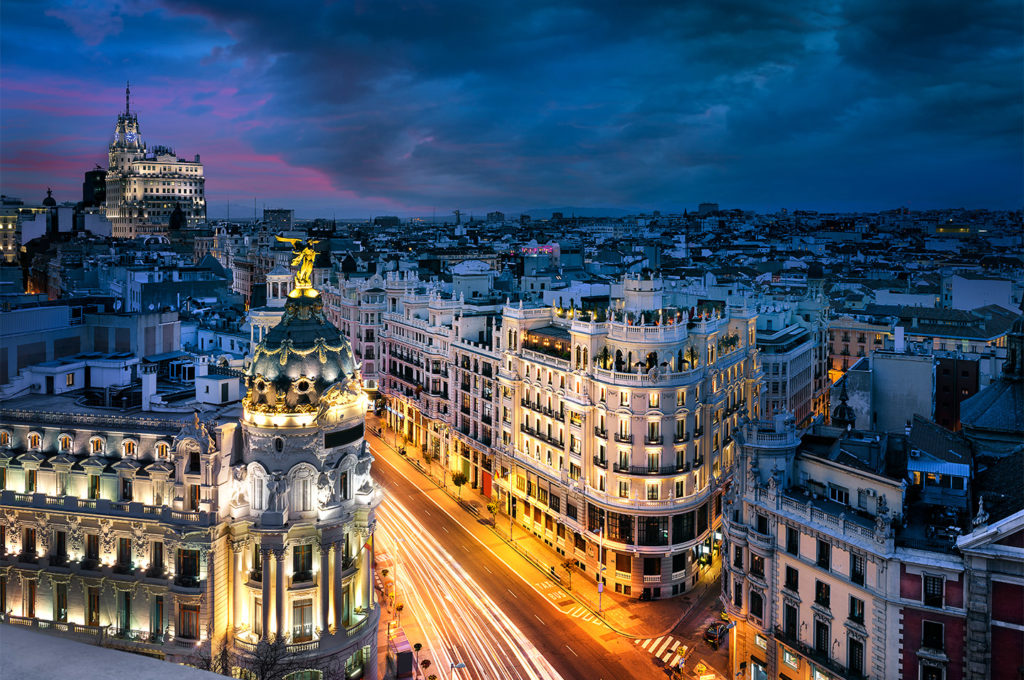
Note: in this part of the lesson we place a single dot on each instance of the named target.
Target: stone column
(279, 587)
(265, 623)
(367, 571)
(325, 588)
(237, 578)
(339, 567)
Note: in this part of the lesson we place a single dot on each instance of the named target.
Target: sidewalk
(625, 615)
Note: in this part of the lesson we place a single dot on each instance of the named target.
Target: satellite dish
(151, 307)
(117, 305)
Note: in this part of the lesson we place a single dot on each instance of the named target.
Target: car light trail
(459, 620)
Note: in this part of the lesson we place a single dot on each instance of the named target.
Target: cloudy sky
(376, 107)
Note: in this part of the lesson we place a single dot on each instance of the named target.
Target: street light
(456, 666)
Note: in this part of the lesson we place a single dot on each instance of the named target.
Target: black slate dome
(299, 359)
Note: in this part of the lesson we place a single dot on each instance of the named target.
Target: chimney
(148, 386)
(901, 345)
(202, 366)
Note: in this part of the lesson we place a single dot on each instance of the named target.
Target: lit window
(34, 440)
(162, 449)
(69, 379)
(96, 446)
(129, 448)
(65, 442)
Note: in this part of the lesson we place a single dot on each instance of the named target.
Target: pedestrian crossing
(666, 648)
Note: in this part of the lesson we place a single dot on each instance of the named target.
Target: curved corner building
(182, 536)
(303, 512)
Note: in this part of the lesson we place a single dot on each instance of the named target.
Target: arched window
(96, 446)
(257, 495)
(129, 448)
(34, 440)
(162, 449)
(5, 438)
(64, 442)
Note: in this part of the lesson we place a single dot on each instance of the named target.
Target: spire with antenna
(127, 97)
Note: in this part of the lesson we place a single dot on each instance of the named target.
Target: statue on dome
(305, 256)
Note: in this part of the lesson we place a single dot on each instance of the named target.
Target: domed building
(304, 507)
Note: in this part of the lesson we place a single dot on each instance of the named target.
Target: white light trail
(459, 620)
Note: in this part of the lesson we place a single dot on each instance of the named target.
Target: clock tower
(145, 187)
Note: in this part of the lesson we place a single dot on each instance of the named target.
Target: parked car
(715, 633)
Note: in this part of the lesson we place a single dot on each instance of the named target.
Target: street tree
(569, 566)
(459, 479)
(493, 507)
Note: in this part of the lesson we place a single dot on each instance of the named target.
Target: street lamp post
(600, 566)
(456, 666)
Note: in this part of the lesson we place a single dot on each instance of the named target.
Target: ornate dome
(299, 360)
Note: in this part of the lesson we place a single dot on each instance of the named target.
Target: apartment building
(617, 431)
(357, 307)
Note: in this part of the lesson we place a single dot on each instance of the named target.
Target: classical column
(237, 577)
(339, 568)
(367, 571)
(325, 587)
(279, 590)
(265, 623)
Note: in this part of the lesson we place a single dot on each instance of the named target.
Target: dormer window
(96, 446)
(162, 449)
(34, 441)
(64, 442)
(129, 448)
(5, 438)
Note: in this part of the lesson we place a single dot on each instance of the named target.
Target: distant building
(277, 220)
(94, 188)
(144, 187)
(705, 209)
(495, 216)
(386, 221)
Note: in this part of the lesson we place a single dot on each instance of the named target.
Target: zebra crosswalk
(666, 648)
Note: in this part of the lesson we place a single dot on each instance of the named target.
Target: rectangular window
(28, 545)
(933, 591)
(822, 593)
(655, 400)
(126, 489)
(302, 563)
(821, 638)
(856, 610)
(792, 540)
(932, 635)
(92, 606)
(188, 567)
(30, 480)
(60, 602)
(790, 659)
(855, 655)
(824, 555)
(857, 569)
(652, 492)
(839, 494)
(92, 546)
(681, 398)
(789, 621)
(737, 558)
(30, 598)
(94, 487)
(756, 565)
(624, 398)
(623, 488)
(124, 552)
(680, 488)
(69, 379)
(302, 621)
(188, 622)
(792, 579)
(156, 623)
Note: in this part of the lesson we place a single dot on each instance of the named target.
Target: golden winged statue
(304, 258)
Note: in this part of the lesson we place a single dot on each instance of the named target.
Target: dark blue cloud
(848, 105)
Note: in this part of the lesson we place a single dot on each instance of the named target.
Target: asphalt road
(485, 605)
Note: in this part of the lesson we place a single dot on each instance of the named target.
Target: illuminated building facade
(607, 434)
(178, 539)
(144, 186)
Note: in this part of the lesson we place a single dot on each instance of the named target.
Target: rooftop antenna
(127, 97)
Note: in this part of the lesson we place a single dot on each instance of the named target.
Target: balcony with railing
(601, 462)
(657, 440)
(623, 438)
(649, 470)
(817, 656)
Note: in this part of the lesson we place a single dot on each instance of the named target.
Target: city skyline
(368, 111)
